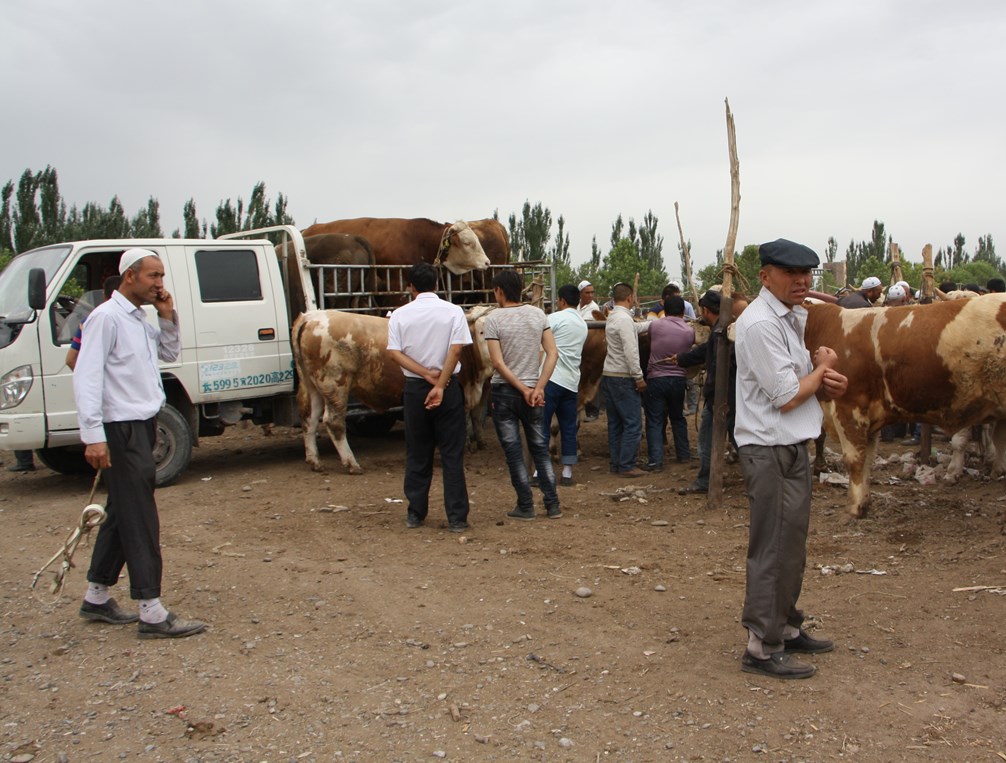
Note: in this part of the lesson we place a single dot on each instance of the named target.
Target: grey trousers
(778, 483)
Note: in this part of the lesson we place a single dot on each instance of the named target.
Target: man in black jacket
(709, 304)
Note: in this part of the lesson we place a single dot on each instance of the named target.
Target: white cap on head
(583, 285)
(131, 256)
(896, 292)
(871, 283)
(904, 285)
(675, 284)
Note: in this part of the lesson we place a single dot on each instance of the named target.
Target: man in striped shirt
(777, 412)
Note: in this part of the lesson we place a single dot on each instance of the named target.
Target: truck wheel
(371, 426)
(173, 448)
(68, 460)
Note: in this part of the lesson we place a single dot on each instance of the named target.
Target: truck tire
(371, 426)
(67, 460)
(173, 448)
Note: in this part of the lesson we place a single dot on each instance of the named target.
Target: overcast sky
(845, 112)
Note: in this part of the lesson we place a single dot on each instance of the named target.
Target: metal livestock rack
(378, 289)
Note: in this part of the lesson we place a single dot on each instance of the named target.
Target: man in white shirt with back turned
(425, 338)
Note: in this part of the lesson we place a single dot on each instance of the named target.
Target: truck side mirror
(36, 289)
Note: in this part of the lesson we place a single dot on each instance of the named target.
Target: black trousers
(444, 428)
(131, 535)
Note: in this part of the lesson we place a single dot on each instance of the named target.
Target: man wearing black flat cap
(777, 382)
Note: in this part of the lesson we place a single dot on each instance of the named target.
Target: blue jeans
(665, 396)
(561, 402)
(625, 421)
(509, 413)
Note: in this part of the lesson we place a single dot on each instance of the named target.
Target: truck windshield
(14, 309)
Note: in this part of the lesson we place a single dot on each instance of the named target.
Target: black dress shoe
(553, 512)
(691, 489)
(521, 514)
(172, 627)
(21, 468)
(777, 665)
(566, 481)
(458, 527)
(808, 645)
(412, 521)
(109, 612)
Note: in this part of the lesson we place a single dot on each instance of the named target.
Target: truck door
(242, 342)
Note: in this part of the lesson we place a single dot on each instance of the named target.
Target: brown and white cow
(942, 364)
(339, 355)
(398, 241)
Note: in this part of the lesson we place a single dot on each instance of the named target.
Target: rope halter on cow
(92, 516)
(445, 245)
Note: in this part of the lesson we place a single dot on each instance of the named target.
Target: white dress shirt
(117, 377)
(771, 360)
(425, 328)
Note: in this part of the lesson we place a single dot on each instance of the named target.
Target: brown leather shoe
(632, 473)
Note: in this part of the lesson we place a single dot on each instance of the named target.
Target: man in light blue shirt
(570, 332)
(777, 382)
(118, 390)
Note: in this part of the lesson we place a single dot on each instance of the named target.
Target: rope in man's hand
(92, 516)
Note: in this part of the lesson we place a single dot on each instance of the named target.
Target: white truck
(234, 314)
(236, 361)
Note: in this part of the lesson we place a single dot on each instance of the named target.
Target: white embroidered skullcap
(583, 285)
(871, 283)
(131, 256)
(896, 292)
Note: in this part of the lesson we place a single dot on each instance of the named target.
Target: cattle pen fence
(376, 289)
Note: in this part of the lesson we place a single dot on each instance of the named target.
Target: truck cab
(234, 321)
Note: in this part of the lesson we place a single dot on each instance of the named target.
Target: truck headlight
(14, 386)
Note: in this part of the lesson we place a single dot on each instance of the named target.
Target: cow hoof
(316, 467)
(354, 469)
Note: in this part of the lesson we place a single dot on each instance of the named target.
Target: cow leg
(335, 424)
(998, 445)
(310, 405)
(990, 453)
(820, 463)
(477, 423)
(958, 446)
(858, 448)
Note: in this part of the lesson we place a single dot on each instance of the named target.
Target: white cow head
(464, 251)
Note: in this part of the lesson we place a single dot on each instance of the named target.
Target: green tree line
(33, 213)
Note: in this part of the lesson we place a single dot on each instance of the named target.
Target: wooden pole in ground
(926, 430)
(686, 258)
(723, 348)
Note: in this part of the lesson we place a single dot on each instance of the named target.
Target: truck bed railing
(376, 289)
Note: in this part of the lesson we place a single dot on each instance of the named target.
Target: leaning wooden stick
(686, 258)
(720, 404)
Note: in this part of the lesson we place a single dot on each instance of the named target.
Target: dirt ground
(339, 635)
